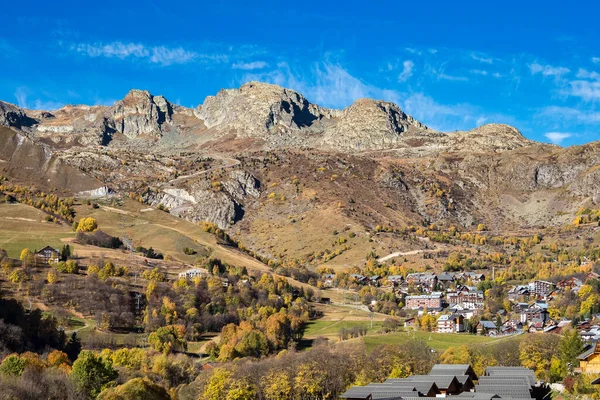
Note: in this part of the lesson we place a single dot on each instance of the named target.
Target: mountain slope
(282, 174)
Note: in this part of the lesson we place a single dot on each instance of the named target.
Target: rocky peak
(11, 115)
(497, 137)
(141, 113)
(257, 108)
(371, 124)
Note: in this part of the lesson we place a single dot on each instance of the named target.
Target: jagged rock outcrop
(370, 124)
(257, 109)
(222, 204)
(11, 115)
(489, 137)
(102, 191)
(141, 113)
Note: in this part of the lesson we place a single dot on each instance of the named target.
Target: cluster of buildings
(456, 380)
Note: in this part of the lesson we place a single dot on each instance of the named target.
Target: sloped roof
(453, 369)
(588, 350)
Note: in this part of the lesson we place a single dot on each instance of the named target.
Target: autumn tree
(87, 225)
(536, 352)
(136, 388)
(168, 338)
(92, 373)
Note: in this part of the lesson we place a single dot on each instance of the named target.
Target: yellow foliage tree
(87, 225)
(52, 277)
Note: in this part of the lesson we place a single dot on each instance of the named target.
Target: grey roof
(453, 369)
(513, 390)
(477, 396)
(497, 372)
(503, 380)
(588, 351)
(443, 382)
(488, 324)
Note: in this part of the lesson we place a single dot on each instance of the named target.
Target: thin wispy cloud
(479, 72)
(558, 137)
(482, 58)
(407, 71)
(548, 70)
(22, 96)
(586, 90)
(112, 50)
(596, 60)
(159, 55)
(412, 50)
(585, 74)
(248, 66)
(568, 115)
(166, 56)
(452, 78)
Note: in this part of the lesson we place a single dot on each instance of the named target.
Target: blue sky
(452, 65)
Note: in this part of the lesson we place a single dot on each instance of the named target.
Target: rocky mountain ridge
(271, 116)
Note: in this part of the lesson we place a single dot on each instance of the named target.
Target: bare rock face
(490, 137)
(259, 110)
(11, 115)
(370, 124)
(200, 201)
(141, 113)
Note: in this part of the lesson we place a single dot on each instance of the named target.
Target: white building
(193, 273)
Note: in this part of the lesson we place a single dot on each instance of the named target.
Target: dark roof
(443, 382)
(477, 396)
(588, 350)
(514, 391)
(488, 324)
(48, 248)
(453, 369)
(497, 372)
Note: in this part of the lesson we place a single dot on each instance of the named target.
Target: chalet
(447, 384)
(589, 360)
(519, 292)
(374, 280)
(569, 284)
(487, 328)
(511, 382)
(474, 277)
(426, 281)
(328, 279)
(466, 312)
(410, 322)
(592, 276)
(452, 323)
(456, 380)
(433, 301)
(395, 278)
(446, 278)
(193, 273)
(536, 325)
(454, 369)
(358, 278)
(48, 255)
